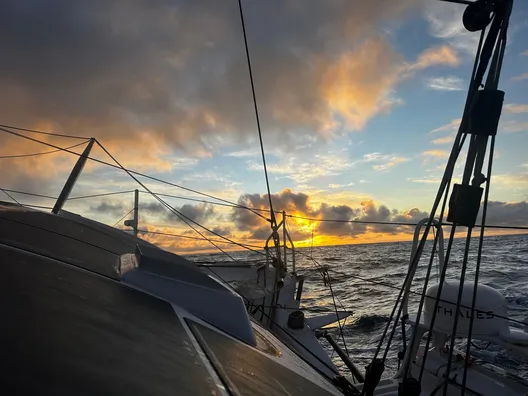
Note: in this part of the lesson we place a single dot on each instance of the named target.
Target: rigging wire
(506, 227)
(28, 193)
(101, 195)
(180, 215)
(496, 226)
(153, 178)
(119, 221)
(44, 133)
(42, 153)
(201, 239)
(10, 196)
(397, 223)
(273, 220)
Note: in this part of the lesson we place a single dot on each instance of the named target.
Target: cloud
(452, 126)
(177, 70)
(441, 55)
(444, 140)
(383, 161)
(523, 76)
(514, 126)
(516, 108)
(341, 217)
(445, 22)
(436, 153)
(450, 83)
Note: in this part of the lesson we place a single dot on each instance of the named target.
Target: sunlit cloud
(383, 162)
(514, 126)
(444, 140)
(523, 76)
(435, 153)
(516, 108)
(453, 125)
(450, 83)
(445, 23)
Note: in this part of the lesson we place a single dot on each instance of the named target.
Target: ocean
(504, 267)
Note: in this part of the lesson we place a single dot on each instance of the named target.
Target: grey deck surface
(249, 371)
(66, 331)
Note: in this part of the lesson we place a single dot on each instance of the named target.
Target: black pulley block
(478, 15)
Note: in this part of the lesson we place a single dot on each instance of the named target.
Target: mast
(74, 175)
(479, 126)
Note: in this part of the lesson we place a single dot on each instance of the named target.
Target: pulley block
(478, 15)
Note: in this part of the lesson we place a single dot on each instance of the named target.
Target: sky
(359, 102)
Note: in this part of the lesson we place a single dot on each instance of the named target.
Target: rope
(101, 195)
(43, 153)
(130, 171)
(10, 196)
(229, 205)
(492, 82)
(200, 239)
(180, 215)
(28, 193)
(44, 133)
(119, 221)
(273, 220)
(398, 223)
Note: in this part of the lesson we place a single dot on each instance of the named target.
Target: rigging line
(119, 221)
(10, 196)
(388, 285)
(398, 223)
(321, 270)
(236, 206)
(131, 171)
(44, 133)
(197, 238)
(43, 153)
(182, 217)
(288, 334)
(474, 71)
(498, 62)
(37, 206)
(273, 220)
(337, 316)
(28, 193)
(101, 195)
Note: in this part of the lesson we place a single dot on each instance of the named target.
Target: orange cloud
(523, 76)
(444, 140)
(516, 108)
(441, 55)
(436, 153)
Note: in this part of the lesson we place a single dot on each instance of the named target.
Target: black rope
(101, 195)
(27, 193)
(10, 196)
(201, 239)
(289, 335)
(388, 285)
(273, 220)
(398, 223)
(130, 171)
(235, 206)
(44, 133)
(42, 153)
(119, 221)
(180, 215)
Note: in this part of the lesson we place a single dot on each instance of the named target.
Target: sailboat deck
(70, 326)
